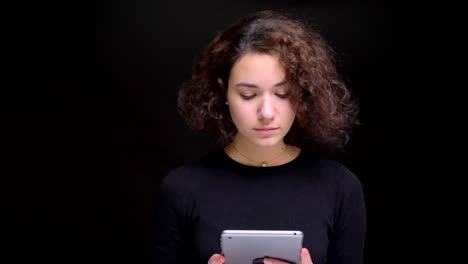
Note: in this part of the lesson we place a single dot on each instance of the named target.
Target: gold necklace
(263, 163)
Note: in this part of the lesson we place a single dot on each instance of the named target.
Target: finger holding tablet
(216, 259)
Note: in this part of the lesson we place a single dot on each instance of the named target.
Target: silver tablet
(251, 246)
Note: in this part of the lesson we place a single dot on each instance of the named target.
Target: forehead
(258, 67)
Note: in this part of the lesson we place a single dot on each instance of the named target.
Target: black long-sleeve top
(322, 198)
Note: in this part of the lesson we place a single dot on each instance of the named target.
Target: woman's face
(258, 97)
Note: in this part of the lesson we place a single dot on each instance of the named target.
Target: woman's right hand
(216, 259)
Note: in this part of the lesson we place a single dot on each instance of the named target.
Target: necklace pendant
(264, 164)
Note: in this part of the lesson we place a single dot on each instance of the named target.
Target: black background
(110, 130)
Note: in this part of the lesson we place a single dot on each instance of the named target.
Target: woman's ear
(224, 88)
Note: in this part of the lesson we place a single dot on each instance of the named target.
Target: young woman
(264, 86)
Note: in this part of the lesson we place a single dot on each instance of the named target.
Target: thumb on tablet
(216, 259)
(305, 256)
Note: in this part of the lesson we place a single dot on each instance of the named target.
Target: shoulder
(345, 183)
(193, 173)
(338, 182)
(330, 171)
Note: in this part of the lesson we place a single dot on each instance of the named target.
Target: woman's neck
(245, 152)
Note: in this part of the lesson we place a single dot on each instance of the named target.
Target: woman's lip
(265, 129)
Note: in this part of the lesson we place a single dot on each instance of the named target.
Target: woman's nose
(266, 111)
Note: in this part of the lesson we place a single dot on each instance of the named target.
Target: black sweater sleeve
(347, 246)
(169, 240)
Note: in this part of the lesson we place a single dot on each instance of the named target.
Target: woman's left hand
(305, 258)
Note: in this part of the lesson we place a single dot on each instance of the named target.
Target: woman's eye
(247, 96)
(283, 95)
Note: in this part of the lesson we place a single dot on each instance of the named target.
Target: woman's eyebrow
(283, 82)
(251, 85)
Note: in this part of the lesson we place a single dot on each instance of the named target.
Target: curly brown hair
(325, 111)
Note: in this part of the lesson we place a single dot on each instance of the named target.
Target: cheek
(239, 113)
(288, 110)
(290, 116)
